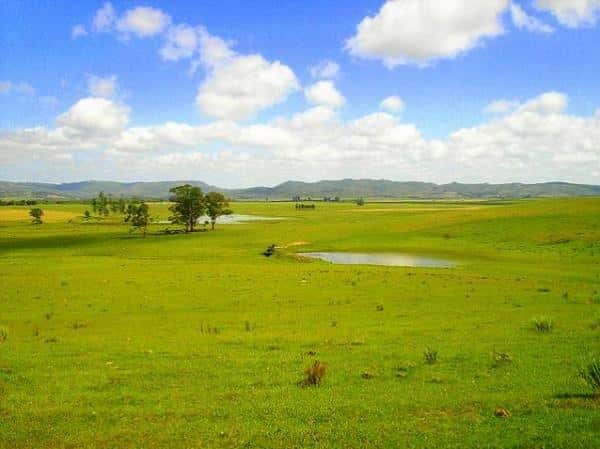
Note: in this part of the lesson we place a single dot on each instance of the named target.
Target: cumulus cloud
(392, 104)
(239, 86)
(421, 31)
(143, 21)
(548, 103)
(535, 140)
(324, 93)
(181, 42)
(102, 86)
(95, 116)
(572, 13)
(325, 70)
(524, 21)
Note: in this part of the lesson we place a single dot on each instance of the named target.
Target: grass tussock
(3, 334)
(543, 324)
(591, 375)
(314, 374)
(430, 356)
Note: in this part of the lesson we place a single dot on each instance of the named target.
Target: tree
(216, 206)
(360, 202)
(87, 215)
(188, 206)
(36, 215)
(138, 215)
(100, 204)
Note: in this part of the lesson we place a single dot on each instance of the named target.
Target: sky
(244, 93)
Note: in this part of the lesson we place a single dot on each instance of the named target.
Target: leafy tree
(87, 215)
(36, 215)
(100, 204)
(138, 214)
(188, 206)
(216, 206)
(360, 202)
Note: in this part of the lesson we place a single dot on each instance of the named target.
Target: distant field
(199, 341)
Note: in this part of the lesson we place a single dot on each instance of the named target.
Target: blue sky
(498, 91)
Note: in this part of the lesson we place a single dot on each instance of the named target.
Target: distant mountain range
(346, 188)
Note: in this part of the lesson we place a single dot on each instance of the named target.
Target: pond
(385, 259)
(231, 219)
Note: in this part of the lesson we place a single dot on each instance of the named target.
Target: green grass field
(198, 341)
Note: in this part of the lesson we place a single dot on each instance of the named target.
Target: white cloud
(392, 104)
(524, 21)
(105, 18)
(78, 31)
(535, 142)
(21, 88)
(143, 21)
(95, 116)
(238, 87)
(182, 42)
(421, 31)
(325, 70)
(572, 13)
(324, 93)
(548, 103)
(102, 86)
(501, 107)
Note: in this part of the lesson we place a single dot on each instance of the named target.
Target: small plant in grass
(314, 374)
(270, 251)
(543, 324)
(3, 333)
(596, 321)
(591, 376)
(501, 358)
(430, 356)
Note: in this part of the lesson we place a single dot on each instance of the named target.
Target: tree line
(190, 204)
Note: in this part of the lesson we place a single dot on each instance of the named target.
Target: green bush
(543, 324)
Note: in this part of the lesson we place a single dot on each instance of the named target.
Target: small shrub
(3, 333)
(270, 251)
(379, 308)
(543, 324)
(591, 375)
(314, 374)
(367, 375)
(430, 356)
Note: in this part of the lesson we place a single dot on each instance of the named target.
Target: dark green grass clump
(591, 376)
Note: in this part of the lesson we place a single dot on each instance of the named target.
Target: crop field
(112, 340)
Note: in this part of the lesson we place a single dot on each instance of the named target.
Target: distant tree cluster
(331, 199)
(18, 202)
(103, 205)
(305, 206)
(190, 204)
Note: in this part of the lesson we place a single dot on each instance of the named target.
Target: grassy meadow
(199, 341)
